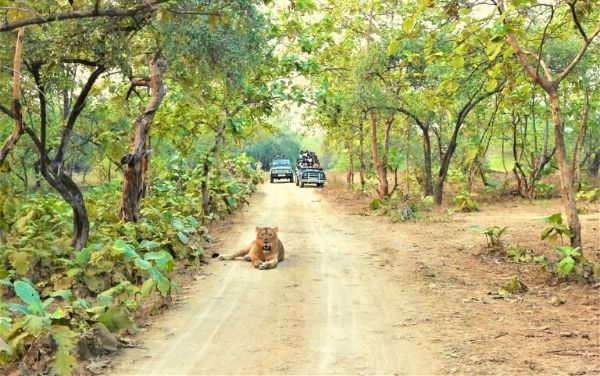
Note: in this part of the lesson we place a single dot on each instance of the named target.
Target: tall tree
(579, 14)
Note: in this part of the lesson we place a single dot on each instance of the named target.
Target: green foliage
(591, 195)
(543, 190)
(493, 236)
(464, 202)
(376, 204)
(555, 229)
(34, 319)
(573, 263)
(512, 286)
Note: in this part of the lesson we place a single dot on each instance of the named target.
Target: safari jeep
(281, 169)
(310, 175)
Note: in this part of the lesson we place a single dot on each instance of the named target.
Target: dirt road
(330, 308)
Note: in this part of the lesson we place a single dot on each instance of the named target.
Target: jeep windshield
(281, 162)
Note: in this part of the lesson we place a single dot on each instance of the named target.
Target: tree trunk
(10, 143)
(594, 165)
(138, 158)
(350, 175)
(204, 188)
(427, 173)
(380, 168)
(69, 191)
(566, 176)
(361, 156)
(444, 166)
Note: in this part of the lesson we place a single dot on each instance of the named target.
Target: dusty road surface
(360, 295)
(329, 308)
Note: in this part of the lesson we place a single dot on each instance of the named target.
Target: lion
(264, 252)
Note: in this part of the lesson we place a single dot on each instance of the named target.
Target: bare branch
(77, 108)
(576, 20)
(577, 58)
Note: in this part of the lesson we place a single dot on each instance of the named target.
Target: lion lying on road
(264, 252)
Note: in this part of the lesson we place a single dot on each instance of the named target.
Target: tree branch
(576, 20)
(576, 59)
(77, 108)
(147, 7)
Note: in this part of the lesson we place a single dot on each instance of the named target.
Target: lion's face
(265, 236)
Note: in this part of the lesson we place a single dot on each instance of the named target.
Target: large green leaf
(115, 319)
(142, 264)
(566, 265)
(125, 249)
(29, 296)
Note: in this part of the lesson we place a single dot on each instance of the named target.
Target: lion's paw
(247, 258)
(222, 257)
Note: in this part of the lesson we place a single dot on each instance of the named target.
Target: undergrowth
(52, 293)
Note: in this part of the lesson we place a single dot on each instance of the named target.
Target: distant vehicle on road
(308, 170)
(310, 175)
(281, 168)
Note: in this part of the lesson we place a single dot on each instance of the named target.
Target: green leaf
(58, 314)
(115, 319)
(163, 285)
(83, 256)
(28, 295)
(393, 47)
(182, 237)
(18, 308)
(161, 258)
(34, 324)
(458, 62)
(20, 261)
(125, 249)
(547, 232)
(142, 264)
(5, 347)
(408, 24)
(555, 218)
(566, 265)
(104, 299)
(147, 287)
(148, 244)
(491, 85)
(66, 340)
(65, 294)
(493, 49)
(178, 224)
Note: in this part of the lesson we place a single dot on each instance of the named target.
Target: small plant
(493, 236)
(36, 321)
(516, 253)
(513, 286)
(570, 256)
(573, 262)
(464, 202)
(556, 229)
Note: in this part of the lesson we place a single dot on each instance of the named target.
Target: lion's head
(265, 236)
